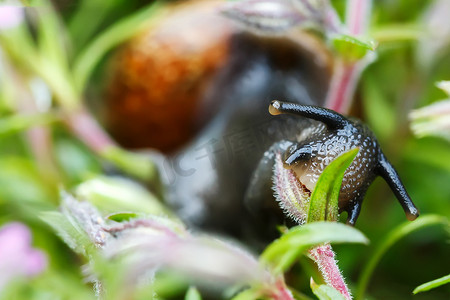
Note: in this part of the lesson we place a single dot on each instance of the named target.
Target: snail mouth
(290, 192)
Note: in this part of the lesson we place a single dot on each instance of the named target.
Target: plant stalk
(323, 256)
(347, 73)
(281, 292)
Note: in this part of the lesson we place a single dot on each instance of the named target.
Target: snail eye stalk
(332, 119)
(389, 174)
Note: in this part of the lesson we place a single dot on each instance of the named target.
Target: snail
(311, 153)
(222, 179)
(226, 179)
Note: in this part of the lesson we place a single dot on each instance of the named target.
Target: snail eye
(297, 153)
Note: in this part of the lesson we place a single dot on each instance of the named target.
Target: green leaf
(17, 122)
(248, 294)
(352, 48)
(394, 236)
(193, 294)
(122, 216)
(395, 33)
(70, 232)
(432, 284)
(135, 164)
(51, 36)
(113, 194)
(23, 185)
(323, 205)
(283, 252)
(94, 11)
(325, 292)
(116, 34)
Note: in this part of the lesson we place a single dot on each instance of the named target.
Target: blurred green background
(412, 56)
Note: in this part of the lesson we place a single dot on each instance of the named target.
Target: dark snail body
(221, 162)
(229, 184)
(222, 181)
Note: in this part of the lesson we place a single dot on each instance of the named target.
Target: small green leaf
(432, 284)
(283, 252)
(248, 294)
(122, 216)
(70, 232)
(352, 48)
(323, 205)
(394, 236)
(325, 292)
(114, 194)
(193, 294)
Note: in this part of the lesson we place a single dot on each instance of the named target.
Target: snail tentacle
(332, 119)
(353, 212)
(387, 171)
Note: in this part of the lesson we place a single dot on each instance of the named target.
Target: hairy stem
(281, 292)
(323, 256)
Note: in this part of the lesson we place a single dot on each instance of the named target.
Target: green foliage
(135, 164)
(69, 231)
(323, 205)
(248, 294)
(432, 284)
(282, 253)
(394, 236)
(325, 292)
(63, 46)
(193, 294)
(115, 194)
(17, 123)
(352, 48)
(116, 34)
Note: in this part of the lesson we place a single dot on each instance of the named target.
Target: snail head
(331, 136)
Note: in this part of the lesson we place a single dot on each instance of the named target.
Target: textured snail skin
(312, 154)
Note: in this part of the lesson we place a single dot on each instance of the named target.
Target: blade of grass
(432, 284)
(394, 236)
(282, 253)
(116, 34)
(94, 11)
(15, 123)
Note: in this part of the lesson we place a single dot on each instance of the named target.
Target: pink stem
(343, 85)
(281, 292)
(323, 256)
(358, 16)
(41, 142)
(38, 137)
(347, 73)
(87, 129)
